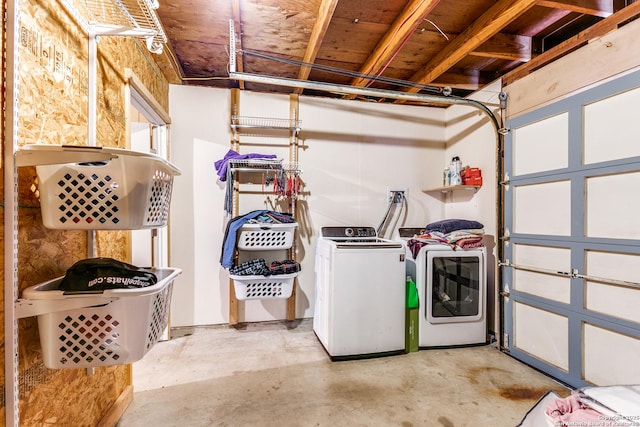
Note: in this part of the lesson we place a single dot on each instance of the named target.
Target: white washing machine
(359, 293)
(452, 288)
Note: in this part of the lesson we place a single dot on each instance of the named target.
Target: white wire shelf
(258, 164)
(132, 18)
(247, 122)
(264, 122)
(262, 164)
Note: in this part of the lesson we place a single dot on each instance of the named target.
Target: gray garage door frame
(578, 244)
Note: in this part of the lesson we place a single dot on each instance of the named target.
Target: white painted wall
(471, 136)
(199, 136)
(351, 152)
(141, 241)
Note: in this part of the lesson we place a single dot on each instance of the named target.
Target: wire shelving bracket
(131, 18)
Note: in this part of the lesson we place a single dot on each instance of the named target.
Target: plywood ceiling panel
(463, 44)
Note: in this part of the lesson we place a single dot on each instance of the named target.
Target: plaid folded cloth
(284, 267)
(255, 267)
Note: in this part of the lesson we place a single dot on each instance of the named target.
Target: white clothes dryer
(452, 291)
(359, 293)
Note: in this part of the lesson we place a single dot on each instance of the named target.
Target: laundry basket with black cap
(127, 312)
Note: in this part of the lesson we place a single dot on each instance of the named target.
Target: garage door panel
(617, 301)
(607, 206)
(542, 208)
(542, 334)
(613, 265)
(610, 357)
(611, 128)
(572, 241)
(547, 286)
(541, 146)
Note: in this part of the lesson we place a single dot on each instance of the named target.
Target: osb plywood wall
(52, 105)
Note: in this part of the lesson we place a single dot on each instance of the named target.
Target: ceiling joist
(325, 13)
(403, 27)
(487, 25)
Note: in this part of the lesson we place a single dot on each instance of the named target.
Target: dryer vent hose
(398, 200)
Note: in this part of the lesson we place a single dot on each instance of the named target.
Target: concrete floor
(278, 374)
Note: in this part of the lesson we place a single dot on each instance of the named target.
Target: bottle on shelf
(456, 168)
(446, 177)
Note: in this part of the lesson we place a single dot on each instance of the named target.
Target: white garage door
(571, 257)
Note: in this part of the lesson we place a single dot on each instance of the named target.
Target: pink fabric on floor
(569, 411)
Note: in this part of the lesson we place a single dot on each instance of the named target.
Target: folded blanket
(221, 165)
(470, 242)
(450, 238)
(449, 225)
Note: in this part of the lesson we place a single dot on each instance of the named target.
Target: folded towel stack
(458, 233)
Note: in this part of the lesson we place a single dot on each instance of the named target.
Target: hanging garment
(230, 235)
(222, 164)
(225, 173)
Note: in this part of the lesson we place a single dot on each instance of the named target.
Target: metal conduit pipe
(354, 90)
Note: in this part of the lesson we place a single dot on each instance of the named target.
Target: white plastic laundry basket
(259, 237)
(114, 333)
(127, 192)
(279, 286)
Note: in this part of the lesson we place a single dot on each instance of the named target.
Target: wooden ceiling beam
(506, 46)
(325, 13)
(603, 8)
(406, 23)
(482, 29)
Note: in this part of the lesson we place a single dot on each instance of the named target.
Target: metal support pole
(92, 118)
(11, 389)
(92, 82)
(355, 90)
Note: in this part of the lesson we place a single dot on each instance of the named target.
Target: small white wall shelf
(452, 188)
